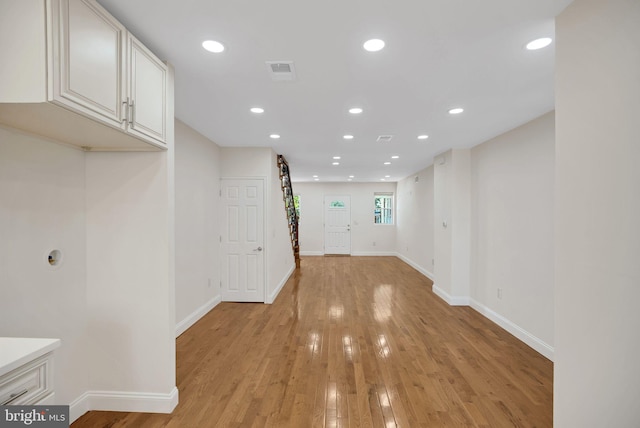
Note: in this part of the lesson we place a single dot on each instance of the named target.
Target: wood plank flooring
(351, 342)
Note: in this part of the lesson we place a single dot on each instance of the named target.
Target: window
(336, 204)
(383, 212)
(296, 204)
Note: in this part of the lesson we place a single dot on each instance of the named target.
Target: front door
(242, 239)
(337, 225)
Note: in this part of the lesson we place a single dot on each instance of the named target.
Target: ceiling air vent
(384, 138)
(281, 71)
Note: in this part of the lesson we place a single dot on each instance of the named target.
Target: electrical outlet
(500, 293)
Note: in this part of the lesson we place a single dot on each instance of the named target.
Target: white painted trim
(191, 319)
(275, 293)
(451, 300)
(78, 407)
(373, 254)
(416, 266)
(311, 253)
(517, 331)
(116, 401)
(355, 254)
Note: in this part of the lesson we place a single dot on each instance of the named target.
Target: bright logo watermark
(34, 416)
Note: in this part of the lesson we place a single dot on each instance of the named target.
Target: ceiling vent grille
(281, 71)
(384, 138)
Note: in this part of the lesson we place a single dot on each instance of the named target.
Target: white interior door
(242, 240)
(337, 225)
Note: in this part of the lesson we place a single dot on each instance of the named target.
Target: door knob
(257, 249)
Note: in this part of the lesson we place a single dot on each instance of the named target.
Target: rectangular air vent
(384, 138)
(280, 71)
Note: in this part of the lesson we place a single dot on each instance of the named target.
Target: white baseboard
(355, 253)
(275, 293)
(374, 253)
(190, 320)
(451, 300)
(311, 253)
(115, 401)
(416, 266)
(526, 337)
(78, 407)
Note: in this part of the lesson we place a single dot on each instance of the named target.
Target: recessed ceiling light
(387, 176)
(315, 176)
(213, 46)
(423, 137)
(456, 110)
(348, 137)
(539, 43)
(355, 110)
(395, 157)
(316, 179)
(336, 157)
(373, 45)
(257, 110)
(387, 163)
(382, 179)
(274, 136)
(336, 163)
(352, 176)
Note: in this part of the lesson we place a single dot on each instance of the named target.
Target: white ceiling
(439, 54)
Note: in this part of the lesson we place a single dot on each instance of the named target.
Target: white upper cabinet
(147, 92)
(86, 62)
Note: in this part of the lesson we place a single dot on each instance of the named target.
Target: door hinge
(220, 238)
(220, 192)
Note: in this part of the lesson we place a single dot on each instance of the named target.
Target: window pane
(296, 204)
(337, 204)
(383, 212)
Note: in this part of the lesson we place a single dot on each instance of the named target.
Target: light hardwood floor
(351, 342)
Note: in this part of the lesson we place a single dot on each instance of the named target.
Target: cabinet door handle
(14, 397)
(132, 108)
(126, 110)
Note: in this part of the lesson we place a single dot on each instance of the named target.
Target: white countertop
(16, 351)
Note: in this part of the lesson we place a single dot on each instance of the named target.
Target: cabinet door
(148, 93)
(88, 60)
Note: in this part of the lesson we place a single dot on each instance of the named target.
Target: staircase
(289, 206)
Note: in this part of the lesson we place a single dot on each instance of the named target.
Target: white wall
(262, 162)
(245, 162)
(364, 233)
(42, 198)
(127, 273)
(452, 226)
(597, 375)
(512, 190)
(197, 181)
(497, 199)
(415, 225)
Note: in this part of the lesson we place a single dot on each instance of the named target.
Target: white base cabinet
(26, 371)
(29, 384)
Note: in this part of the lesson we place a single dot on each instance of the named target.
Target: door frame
(265, 217)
